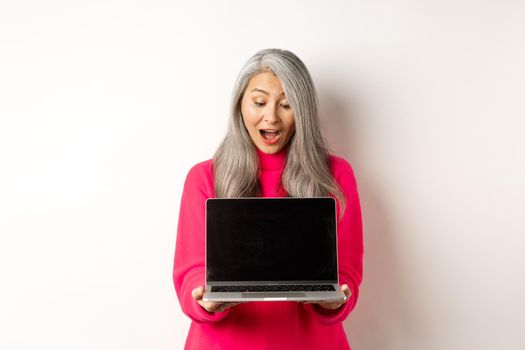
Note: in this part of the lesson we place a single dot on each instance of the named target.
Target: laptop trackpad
(273, 295)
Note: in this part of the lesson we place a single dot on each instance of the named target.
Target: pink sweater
(264, 325)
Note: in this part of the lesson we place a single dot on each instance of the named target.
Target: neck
(274, 161)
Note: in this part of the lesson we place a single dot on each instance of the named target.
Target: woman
(273, 148)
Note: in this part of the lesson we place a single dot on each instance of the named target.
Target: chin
(269, 149)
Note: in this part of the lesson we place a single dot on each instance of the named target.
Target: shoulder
(339, 166)
(200, 175)
(343, 173)
(203, 168)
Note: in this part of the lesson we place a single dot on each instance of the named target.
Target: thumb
(347, 291)
(197, 293)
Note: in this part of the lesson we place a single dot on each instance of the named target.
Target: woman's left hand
(335, 304)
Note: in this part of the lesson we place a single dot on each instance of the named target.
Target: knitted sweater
(264, 325)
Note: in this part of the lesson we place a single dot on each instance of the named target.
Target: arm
(350, 244)
(188, 270)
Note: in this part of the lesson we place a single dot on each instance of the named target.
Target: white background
(105, 105)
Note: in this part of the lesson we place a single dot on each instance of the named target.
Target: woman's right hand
(209, 306)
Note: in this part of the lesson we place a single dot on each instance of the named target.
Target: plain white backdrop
(105, 105)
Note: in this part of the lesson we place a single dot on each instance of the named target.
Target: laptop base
(335, 296)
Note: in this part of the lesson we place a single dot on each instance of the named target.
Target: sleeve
(350, 245)
(188, 267)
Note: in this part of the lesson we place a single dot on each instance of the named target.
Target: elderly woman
(273, 148)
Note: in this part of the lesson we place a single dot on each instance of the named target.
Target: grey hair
(307, 170)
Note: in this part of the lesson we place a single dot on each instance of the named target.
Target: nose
(270, 115)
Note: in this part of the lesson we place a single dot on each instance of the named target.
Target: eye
(285, 106)
(258, 104)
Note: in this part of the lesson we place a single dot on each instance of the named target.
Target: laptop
(271, 249)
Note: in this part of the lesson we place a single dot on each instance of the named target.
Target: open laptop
(271, 249)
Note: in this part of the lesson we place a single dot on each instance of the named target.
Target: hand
(209, 306)
(332, 305)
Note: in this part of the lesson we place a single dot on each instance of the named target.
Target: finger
(331, 306)
(232, 304)
(210, 306)
(221, 308)
(226, 306)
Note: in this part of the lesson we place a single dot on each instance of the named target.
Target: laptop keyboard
(274, 288)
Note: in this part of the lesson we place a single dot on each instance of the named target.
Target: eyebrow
(264, 92)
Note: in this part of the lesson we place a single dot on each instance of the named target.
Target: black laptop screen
(271, 239)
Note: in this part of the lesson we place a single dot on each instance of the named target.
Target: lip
(271, 142)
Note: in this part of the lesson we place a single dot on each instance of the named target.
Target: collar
(274, 161)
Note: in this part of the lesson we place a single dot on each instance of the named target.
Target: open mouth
(270, 134)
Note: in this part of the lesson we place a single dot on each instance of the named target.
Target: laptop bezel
(262, 283)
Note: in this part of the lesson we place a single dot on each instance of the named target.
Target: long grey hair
(307, 172)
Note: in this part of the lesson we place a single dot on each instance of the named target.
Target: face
(266, 113)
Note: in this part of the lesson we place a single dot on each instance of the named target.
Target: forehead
(266, 81)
